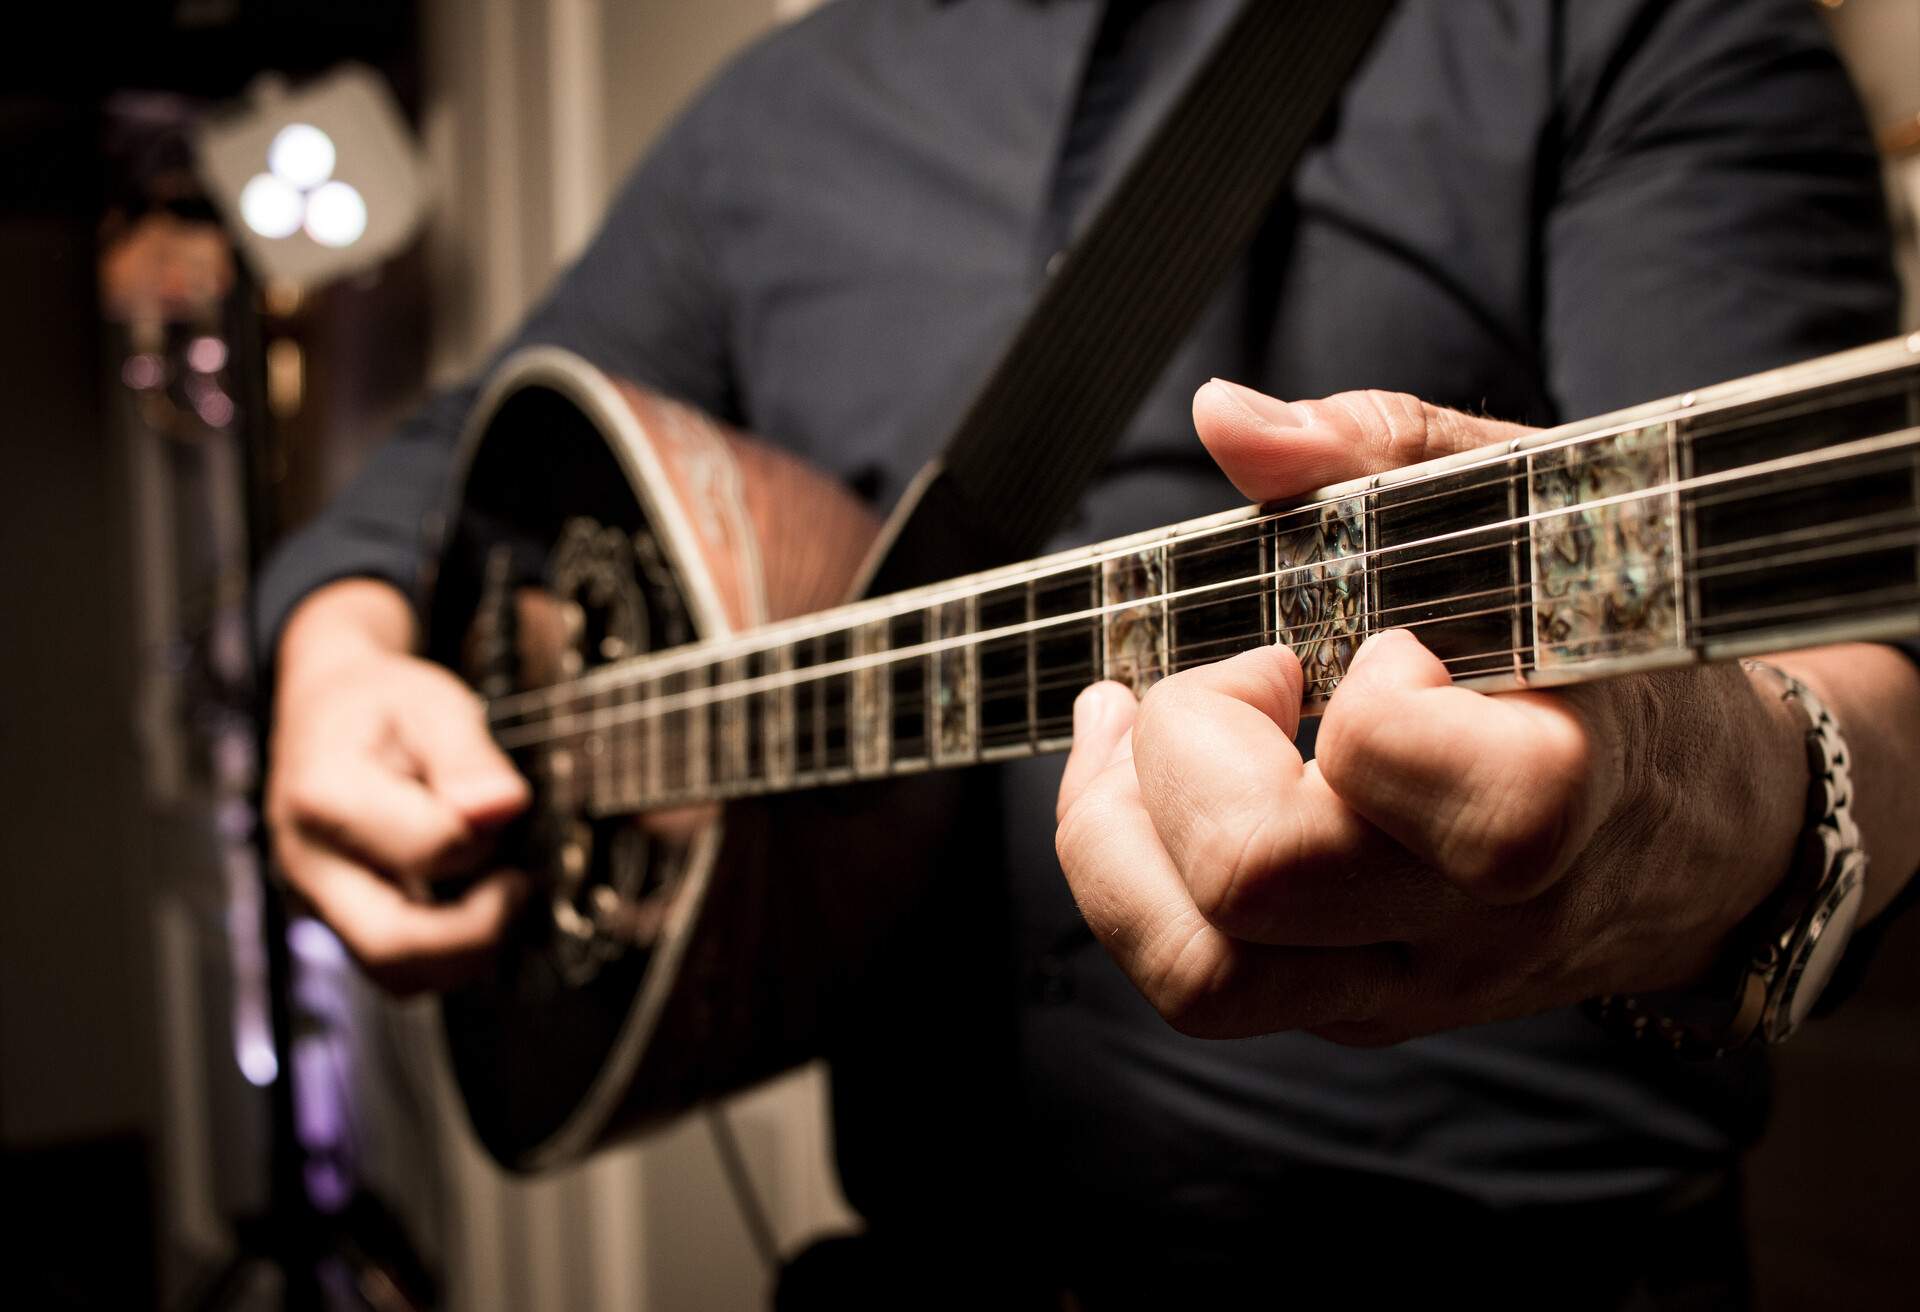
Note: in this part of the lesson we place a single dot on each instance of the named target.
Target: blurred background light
(301, 154)
(336, 215)
(271, 206)
(207, 355)
(257, 1062)
(215, 408)
(343, 188)
(142, 371)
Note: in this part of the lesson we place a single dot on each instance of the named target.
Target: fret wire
(1692, 417)
(1885, 445)
(1259, 580)
(1312, 686)
(1400, 548)
(1320, 629)
(1687, 419)
(789, 632)
(1070, 619)
(1298, 634)
(1316, 686)
(774, 683)
(1319, 686)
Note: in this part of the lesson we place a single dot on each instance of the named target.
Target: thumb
(1102, 735)
(1273, 449)
(446, 733)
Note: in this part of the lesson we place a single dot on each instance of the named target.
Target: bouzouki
(637, 592)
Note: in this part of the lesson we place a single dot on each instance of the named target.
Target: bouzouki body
(672, 961)
(637, 592)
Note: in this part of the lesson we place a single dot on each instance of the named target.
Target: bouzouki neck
(1778, 511)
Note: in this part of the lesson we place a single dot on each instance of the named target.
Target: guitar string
(576, 692)
(1305, 635)
(789, 771)
(1314, 686)
(767, 681)
(1188, 655)
(1843, 605)
(1185, 654)
(1891, 519)
(1838, 529)
(1298, 635)
(841, 617)
(798, 774)
(1888, 384)
(675, 749)
(1886, 447)
(1314, 689)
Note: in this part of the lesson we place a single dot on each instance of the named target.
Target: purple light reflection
(322, 1062)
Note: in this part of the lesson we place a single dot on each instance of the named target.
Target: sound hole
(550, 572)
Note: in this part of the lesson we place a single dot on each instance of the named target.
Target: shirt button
(1054, 261)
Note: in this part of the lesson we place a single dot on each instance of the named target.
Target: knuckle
(299, 796)
(444, 844)
(381, 946)
(1080, 827)
(394, 958)
(1231, 876)
(1356, 742)
(1401, 421)
(448, 695)
(1164, 706)
(1189, 990)
(1511, 853)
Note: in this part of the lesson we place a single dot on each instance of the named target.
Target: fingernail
(1270, 408)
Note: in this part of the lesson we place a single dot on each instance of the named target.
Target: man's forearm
(1874, 692)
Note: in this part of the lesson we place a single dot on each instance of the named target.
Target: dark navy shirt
(1529, 209)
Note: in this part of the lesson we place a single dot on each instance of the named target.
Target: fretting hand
(1449, 857)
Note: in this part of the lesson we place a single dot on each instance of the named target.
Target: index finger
(406, 946)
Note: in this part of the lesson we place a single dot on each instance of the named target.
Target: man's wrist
(1765, 788)
(342, 623)
(1775, 963)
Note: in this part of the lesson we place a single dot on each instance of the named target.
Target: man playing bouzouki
(1534, 212)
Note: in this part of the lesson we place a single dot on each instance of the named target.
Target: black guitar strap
(1128, 291)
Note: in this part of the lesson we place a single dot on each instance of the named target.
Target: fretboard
(1774, 512)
